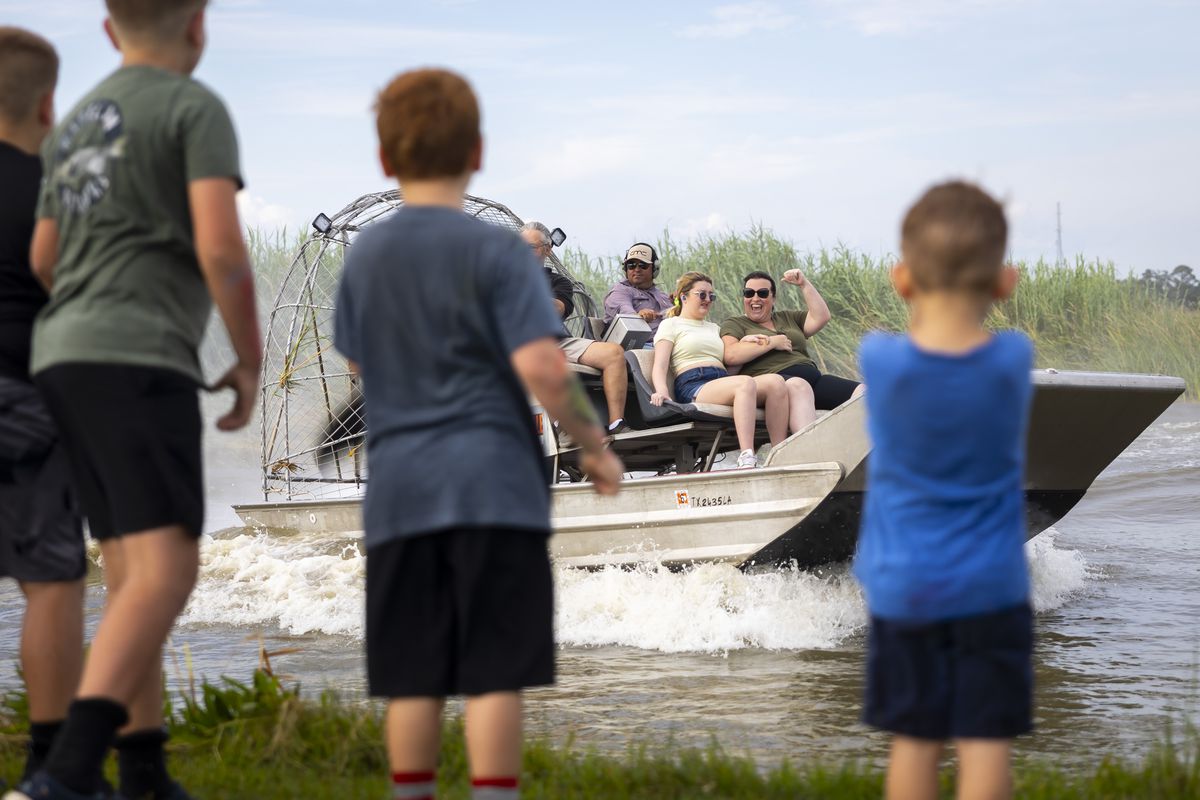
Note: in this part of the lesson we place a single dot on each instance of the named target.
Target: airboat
(680, 506)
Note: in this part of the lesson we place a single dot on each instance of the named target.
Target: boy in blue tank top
(941, 551)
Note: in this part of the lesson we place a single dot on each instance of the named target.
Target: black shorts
(132, 435)
(460, 612)
(968, 678)
(830, 391)
(41, 534)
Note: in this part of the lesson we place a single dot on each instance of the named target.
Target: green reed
(1081, 316)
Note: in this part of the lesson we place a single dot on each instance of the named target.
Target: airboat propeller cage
(312, 424)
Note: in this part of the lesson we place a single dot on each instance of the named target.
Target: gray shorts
(41, 532)
(574, 346)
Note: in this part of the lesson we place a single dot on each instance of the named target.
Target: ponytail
(684, 285)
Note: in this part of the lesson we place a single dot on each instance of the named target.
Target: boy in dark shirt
(41, 535)
(449, 322)
(137, 237)
(941, 551)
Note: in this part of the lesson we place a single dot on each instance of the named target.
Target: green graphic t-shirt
(127, 285)
(789, 323)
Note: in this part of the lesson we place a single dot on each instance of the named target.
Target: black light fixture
(557, 236)
(323, 224)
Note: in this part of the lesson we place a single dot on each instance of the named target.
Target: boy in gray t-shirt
(449, 322)
(137, 230)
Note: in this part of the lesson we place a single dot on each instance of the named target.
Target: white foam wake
(709, 608)
(299, 584)
(1056, 575)
(309, 584)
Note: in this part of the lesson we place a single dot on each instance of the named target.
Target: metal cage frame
(311, 430)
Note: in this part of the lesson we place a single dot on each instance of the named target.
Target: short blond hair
(428, 124)
(152, 20)
(954, 237)
(28, 72)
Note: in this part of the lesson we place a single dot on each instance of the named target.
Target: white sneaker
(747, 460)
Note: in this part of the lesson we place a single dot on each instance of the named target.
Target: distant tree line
(1180, 285)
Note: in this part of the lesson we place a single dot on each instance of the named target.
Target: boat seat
(583, 369)
(641, 363)
(594, 326)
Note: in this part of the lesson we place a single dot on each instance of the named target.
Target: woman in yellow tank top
(691, 347)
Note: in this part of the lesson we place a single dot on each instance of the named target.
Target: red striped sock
(413, 785)
(494, 789)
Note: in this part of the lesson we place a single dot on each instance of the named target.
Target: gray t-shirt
(127, 286)
(431, 306)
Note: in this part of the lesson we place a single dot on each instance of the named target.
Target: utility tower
(1059, 261)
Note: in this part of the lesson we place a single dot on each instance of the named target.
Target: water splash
(709, 608)
(315, 584)
(299, 584)
(1056, 575)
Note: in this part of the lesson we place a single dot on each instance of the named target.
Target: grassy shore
(260, 739)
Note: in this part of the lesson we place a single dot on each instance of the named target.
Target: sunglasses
(705, 296)
(636, 265)
(763, 293)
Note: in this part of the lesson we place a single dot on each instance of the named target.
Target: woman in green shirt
(764, 341)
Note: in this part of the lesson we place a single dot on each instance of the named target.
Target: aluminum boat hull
(804, 506)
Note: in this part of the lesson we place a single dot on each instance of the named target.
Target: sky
(821, 119)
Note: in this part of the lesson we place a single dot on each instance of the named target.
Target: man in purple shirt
(637, 294)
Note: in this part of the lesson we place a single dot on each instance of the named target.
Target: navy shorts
(464, 611)
(968, 678)
(132, 435)
(689, 384)
(829, 391)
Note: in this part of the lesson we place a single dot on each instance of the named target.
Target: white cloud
(740, 19)
(263, 31)
(581, 157)
(686, 102)
(257, 213)
(904, 17)
(354, 102)
(712, 222)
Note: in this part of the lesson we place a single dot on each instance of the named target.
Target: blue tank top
(943, 527)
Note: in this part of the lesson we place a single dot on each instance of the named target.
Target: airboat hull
(724, 516)
(804, 506)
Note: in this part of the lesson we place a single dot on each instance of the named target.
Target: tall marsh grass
(1084, 316)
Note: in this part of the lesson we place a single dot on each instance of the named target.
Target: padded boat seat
(582, 369)
(641, 363)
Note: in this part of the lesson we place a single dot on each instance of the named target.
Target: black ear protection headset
(655, 264)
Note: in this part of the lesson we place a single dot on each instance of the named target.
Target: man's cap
(639, 252)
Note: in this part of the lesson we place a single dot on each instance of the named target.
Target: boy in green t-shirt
(137, 236)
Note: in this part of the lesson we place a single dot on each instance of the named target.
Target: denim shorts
(688, 385)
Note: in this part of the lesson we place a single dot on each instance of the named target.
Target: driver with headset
(637, 294)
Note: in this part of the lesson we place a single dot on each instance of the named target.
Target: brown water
(768, 665)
